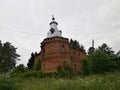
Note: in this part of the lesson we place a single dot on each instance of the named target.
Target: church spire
(53, 29)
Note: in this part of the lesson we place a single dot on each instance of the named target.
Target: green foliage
(115, 58)
(67, 69)
(31, 61)
(75, 44)
(101, 61)
(87, 66)
(106, 81)
(91, 50)
(19, 69)
(59, 69)
(8, 57)
(7, 84)
(118, 54)
(98, 62)
(37, 65)
(104, 47)
(36, 74)
(117, 61)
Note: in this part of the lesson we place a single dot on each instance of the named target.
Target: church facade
(56, 50)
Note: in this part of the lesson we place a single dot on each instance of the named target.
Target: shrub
(37, 65)
(98, 62)
(36, 74)
(60, 71)
(87, 66)
(101, 61)
(67, 68)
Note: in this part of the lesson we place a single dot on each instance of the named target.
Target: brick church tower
(56, 50)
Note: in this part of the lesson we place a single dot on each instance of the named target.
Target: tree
(67, 69)
(98, 62)
(75, 45)
(0, 57)
(101, 61)
(20, 68)
(117, 61)
(86, 66)
(30, 63)
(82, 48)
(59, 69)
(91, 50)
(37, 66)
(118, 54)
(8, 57)
(31, 60)
(104, 47)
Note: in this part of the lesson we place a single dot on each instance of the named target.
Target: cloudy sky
(25, 23)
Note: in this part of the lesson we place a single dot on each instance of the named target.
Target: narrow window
(75, 67)
(63, 48)
(43, 66)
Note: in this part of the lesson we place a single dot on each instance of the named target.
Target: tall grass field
(107, 81)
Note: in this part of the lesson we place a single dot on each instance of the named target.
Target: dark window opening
(75, 67)
(43, 66)
(52, 30)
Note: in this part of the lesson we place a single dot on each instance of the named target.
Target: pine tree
(31, 61)
(75, 45)
(8, 57)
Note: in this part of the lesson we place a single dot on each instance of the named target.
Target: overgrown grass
(7, 83)
(106, 81)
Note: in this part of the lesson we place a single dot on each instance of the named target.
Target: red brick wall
(55, 51)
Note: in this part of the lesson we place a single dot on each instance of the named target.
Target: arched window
(52, 30)
(63, 48)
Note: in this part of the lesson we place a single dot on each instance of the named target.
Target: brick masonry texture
(55, 51)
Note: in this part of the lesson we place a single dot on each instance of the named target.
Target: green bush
(97, 62)
(36, 74)
(101, 61)
(37, 65)
(87, 66)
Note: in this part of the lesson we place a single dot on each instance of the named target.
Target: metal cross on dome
(53, 17)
